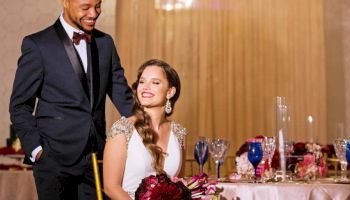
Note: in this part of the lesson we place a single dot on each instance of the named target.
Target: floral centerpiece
(306, 161)
(313, 164)
(245, 169)
(162, 187)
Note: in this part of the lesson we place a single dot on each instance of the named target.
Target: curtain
(233, 57)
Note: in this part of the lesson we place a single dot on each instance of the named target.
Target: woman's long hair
(143, 121)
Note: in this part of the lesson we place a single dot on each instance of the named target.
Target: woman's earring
(168, 108)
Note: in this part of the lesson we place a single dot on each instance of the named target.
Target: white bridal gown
(139, 160)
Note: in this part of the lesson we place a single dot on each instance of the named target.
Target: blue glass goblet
(255, 155)
(201, 153)
(348, 151)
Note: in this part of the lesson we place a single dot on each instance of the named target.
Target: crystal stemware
(255, 155)
(340, 151)
(269, 149)
(201, 153)
(218, 149)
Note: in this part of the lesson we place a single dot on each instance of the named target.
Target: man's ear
(171, 92)
(65, 3)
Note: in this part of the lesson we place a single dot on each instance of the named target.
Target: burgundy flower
(299, 148)
(170, 190)
(160, 187)
(275, 159)
(328, 149)
(242, 149)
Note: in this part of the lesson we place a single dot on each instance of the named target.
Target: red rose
(170, 190)
(299, 148)
(160, 187)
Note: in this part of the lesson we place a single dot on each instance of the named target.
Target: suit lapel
(93, 71)
(90, 75)
(72, 55)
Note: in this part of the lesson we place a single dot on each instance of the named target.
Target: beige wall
(233, 59)
(337, 51)
(346, 42)
(22, 17)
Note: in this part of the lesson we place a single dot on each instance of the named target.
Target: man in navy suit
(65, 73)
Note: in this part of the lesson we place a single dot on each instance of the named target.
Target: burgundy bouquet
(161, 187)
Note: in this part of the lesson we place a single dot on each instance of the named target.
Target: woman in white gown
(146, 143)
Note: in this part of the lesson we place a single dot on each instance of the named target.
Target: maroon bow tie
(81, 36)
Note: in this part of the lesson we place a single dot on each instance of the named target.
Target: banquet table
(317, 190)
(17, 185)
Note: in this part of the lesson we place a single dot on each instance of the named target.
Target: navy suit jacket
(66, 115)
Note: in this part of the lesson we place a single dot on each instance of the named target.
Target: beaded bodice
(139, 160)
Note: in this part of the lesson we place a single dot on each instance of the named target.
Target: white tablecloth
(284, 191)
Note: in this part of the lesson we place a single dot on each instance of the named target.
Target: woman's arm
(114, 159)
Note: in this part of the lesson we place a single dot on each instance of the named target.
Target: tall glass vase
(281, 131)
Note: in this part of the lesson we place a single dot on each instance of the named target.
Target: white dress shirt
(81, 47)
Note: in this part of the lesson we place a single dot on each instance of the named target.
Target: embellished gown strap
(121, 126)
(180, 132)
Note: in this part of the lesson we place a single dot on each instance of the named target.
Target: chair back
(97, 178)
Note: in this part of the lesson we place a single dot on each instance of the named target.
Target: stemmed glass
(201, 152)
(218, 149)
(255, 155)
(269, 149)
(348, 151)
(340, 151)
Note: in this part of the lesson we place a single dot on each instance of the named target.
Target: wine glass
(340, 147)
(269, 149)
(255, 155)
(288, 147)
(201, 152)
(218, 149)
(221, 161)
